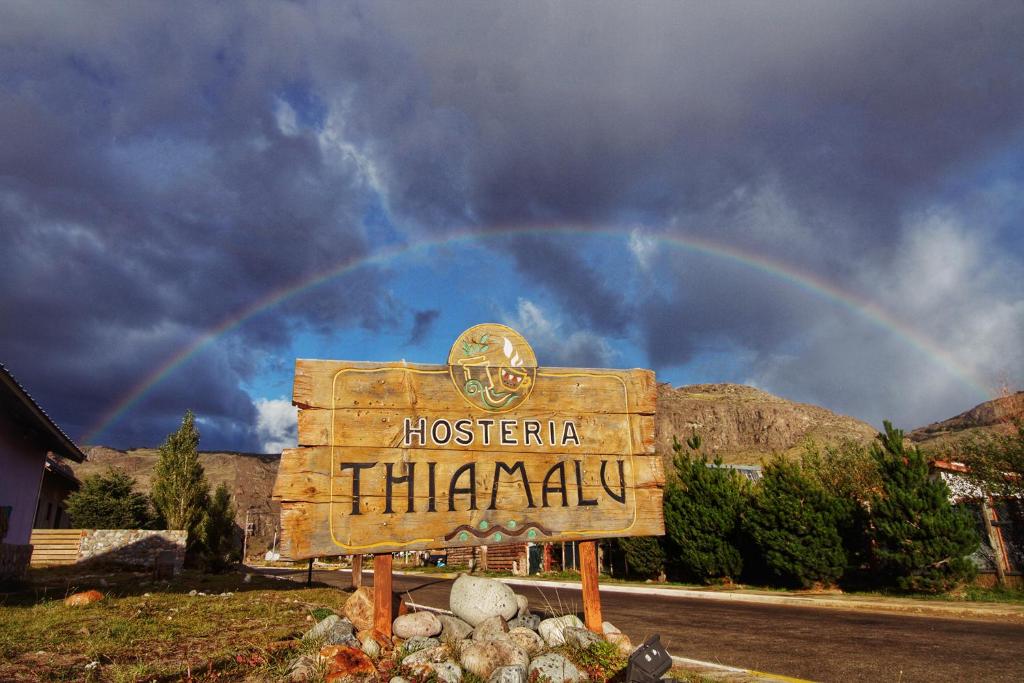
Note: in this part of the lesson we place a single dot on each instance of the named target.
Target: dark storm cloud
(422, 322)
(712, 307)
(581, 111)
(162, 167)
(808, 133)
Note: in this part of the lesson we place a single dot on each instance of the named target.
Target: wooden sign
(486, 449)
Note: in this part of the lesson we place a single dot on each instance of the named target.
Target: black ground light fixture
(648, 662)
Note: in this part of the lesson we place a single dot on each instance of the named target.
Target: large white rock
(527, 639)
(580, 637)
(551, 629)
(524, 605)
(483, 658)
(453, 628)
(423, 624)
(530, 621)
(474, 599)
(491, 628)
(555, 667)
(508, 674)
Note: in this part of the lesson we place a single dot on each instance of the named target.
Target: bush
(920, 541)
(702, 515)
(109, 501)
(793, 523)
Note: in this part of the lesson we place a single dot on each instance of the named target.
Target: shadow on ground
(56, 583)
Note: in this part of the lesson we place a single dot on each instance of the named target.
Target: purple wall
(21, 473)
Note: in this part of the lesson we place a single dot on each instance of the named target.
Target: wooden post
(382, 599)
(309, 574)
(357, 571)
(995, 540)
(591, 596)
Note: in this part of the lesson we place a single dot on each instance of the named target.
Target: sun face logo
(493, 367)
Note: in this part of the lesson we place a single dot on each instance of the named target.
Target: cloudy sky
(820, 199)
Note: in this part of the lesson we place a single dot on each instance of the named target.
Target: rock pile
(490, 634)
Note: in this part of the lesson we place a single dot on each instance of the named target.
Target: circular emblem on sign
(493, 367)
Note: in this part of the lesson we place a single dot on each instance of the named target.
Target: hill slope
(744, 425)
(991, 417)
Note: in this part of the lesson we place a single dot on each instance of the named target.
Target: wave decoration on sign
(498, 532)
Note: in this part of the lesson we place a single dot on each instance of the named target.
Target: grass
(967, 594)
(601, 661)
(146, 630)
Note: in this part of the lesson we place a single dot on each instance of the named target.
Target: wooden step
(51, 547)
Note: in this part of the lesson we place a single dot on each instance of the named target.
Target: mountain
(991, 417)
(249, 477)
(740, 423)
(744, 425)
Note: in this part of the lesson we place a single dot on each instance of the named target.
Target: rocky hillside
(744, 425)
(991, 417)
(249, 477)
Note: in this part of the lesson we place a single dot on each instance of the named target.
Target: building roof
(60, 469)
(19, 406)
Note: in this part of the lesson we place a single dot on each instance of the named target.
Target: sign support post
(357, 571)
(591, 595)
(382, 598)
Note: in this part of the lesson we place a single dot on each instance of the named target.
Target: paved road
(805, 642)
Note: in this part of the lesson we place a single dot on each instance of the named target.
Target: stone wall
(14, 560)
(135, 548)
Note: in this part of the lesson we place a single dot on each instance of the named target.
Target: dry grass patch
(146, 630)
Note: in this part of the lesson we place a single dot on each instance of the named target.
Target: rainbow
(777, 269)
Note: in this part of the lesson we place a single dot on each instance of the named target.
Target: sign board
(485, 449)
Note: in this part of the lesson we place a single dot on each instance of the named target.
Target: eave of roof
(64, 445)
(59, 469)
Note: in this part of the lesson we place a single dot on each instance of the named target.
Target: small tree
(702, 515)
(849, 473)
(108, 501)
(180, 491)
(920, 541)
(794, 524)
(217, 530)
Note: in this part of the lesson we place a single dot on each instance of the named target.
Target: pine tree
(920, 541)
(108, 501)
(793, 522)
(180, 491)
(217, 530)
(702, 514)
(644, 556)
